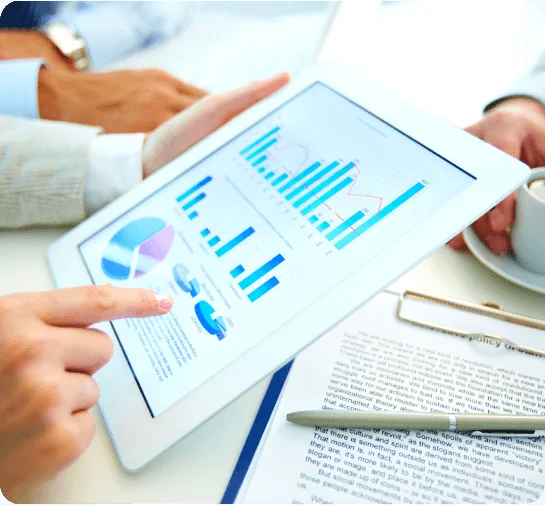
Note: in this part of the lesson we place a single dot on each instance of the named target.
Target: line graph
(346, 199)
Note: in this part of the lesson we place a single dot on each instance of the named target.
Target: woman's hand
(47, 358)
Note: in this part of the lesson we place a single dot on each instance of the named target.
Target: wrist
(48, 95)
(52, 51)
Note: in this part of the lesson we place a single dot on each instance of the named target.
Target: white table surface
(197, 469)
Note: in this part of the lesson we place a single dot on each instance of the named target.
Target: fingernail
(165, 301)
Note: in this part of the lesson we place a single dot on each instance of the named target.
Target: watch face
(69, 44)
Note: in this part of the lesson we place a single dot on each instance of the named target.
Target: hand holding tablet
(181, 132)
(266, 234)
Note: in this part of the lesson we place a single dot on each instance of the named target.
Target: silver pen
(485, 425)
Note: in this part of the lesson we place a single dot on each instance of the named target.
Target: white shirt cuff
(19, 87)
(115, 167)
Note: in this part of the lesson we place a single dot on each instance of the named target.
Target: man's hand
(47, 358)
(191, 126)
(19, 44)
(516, 126)
(125, 101)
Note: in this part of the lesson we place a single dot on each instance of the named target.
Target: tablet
(266, 234)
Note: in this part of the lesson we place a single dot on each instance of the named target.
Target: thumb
(84, 306)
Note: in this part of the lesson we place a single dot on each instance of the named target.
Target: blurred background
(449, 57)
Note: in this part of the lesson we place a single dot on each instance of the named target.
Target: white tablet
(267, 234)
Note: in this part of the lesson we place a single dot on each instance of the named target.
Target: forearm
(42, 172)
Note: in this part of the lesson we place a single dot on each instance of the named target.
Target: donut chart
(137, 248)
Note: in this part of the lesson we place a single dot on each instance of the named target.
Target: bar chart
(189, 199)
(250, 284)
(322, 192)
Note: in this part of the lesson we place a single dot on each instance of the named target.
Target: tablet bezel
(137, 436)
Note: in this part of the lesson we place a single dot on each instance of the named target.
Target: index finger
(84, 306)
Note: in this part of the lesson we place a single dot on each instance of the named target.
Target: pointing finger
(87, 305)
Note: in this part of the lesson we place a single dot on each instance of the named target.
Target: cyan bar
(193, 215)
(256, 294)
(312, 180)
(323, 185)
(333, 234)
(234, 242)
(299, 177)
(198, 186)
(259, 160)
(261, 149)
(400, 200)
(278, 180)
(195, 200)
(312, 219)
(205, 232)
(269, 175)
(213, 241)
(237, 271)
(326, 196)
(261, 139)
(261, 170)
(323, 226)
(260, 272)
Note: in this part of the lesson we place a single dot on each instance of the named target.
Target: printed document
(374, 361)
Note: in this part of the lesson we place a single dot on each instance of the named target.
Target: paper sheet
(374, 361)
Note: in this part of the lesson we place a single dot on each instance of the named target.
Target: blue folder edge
(256, 433)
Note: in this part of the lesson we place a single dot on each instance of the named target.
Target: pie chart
(137, 248)
(215, 326)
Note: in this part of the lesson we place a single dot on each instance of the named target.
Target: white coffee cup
(528, 234)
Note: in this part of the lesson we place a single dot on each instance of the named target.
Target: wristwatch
(69, 43)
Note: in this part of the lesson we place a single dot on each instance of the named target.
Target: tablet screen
(261, 228)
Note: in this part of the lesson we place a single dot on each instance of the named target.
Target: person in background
(55, 173)
(48, 353)
(514, 123)
(51, 52)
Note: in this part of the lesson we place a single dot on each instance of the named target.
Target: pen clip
(510, 433)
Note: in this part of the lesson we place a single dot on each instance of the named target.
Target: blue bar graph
(269, 175)
(323, 226)
(198, 186)
(400, 200)
(205, 232)
(312, 180)
(213, 241)
(312, 219)
(260, 272)
(259, 160)
(234, 242)
(278, 180)
(333, 234)
(261, 170)
(256, 294)
(261, 149)
(299, 177)
(193, 215)
(327, 196)
(261, 139)
(322, 186)
(237, 271)
(195, 200)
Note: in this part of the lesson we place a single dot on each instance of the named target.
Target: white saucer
(505, 266)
